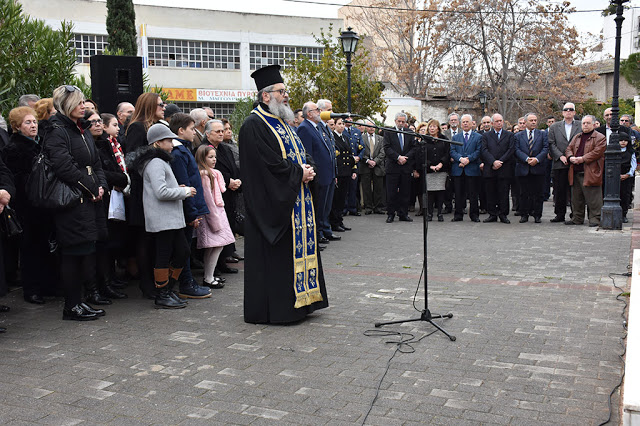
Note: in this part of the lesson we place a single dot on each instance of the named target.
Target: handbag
(45, 190)
(238, 223)
(9, 223)
(116, 206)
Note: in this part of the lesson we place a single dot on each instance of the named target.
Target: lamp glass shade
(349, 40)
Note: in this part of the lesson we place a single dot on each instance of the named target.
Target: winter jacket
(186, 172)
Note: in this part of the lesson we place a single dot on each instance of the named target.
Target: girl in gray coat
(164, 218)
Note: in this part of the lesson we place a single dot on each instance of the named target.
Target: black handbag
(9, 223)
(238, 220)
(45, 190)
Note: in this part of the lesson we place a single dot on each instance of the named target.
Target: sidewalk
(534, 313)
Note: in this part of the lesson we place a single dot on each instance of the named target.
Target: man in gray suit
(560, 134)
(454, 123)
(371, 171)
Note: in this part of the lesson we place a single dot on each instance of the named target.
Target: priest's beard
(281, 109)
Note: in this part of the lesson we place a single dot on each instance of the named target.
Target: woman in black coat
(37, 264)
(7, 190)
(75, 161)
(437, 162)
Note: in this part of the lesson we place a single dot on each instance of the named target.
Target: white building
(201, 57)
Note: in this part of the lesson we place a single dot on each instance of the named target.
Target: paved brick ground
(535, 317)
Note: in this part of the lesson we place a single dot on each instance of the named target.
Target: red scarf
(117, 151)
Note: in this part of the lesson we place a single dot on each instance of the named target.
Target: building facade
(200, 57)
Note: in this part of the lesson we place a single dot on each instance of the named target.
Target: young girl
(214, 231)
(164, 219)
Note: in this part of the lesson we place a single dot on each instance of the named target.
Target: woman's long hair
(145, 111)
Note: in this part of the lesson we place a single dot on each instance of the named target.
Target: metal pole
(349, 82)
(611, 213)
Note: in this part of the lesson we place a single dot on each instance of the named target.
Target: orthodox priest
(283, 279)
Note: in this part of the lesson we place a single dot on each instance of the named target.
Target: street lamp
(349, 40)
(611, 213)
(482, 97)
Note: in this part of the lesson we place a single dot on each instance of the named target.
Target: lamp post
(611, 213)
(482, 97)
(349, 40)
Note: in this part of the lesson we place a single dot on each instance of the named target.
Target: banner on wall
(207, 95)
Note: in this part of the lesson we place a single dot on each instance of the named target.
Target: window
(220, 110)
(265, 54)
(88, 45)
(193, 54)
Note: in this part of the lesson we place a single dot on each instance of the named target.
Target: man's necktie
(401, 141)
(372, 143)
(530, 143)
(466, 138)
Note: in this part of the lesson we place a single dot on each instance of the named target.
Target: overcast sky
(584, 22)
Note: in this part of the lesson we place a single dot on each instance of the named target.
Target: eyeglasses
(69, 88)
(569, 109)
(281, 91)
(626, 120)
(162, 105)
(94, 122)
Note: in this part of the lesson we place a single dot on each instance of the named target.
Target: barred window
(193, 54)
(266, 54)
(87, 45)
(220, 110)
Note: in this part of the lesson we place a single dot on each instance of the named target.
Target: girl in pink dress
(214, 231)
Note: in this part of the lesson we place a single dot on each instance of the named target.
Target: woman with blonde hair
(44, 109)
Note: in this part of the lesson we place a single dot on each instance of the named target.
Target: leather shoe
(475, 219)
(624, 219)
(235, 255)
(36, 299)
(405, 219)
(111, 293)
(346, 228)
(355, 214)
(490, 219)
(440, 218)
(337, 229)
(333, 238)
(456, 219)
(537, 220)
(97, 299)
(227, 270)
(98, 312)
(323, 240)
(4, 308)
(524, 219)
(389, 219)
(215, 284)
(570, 222)
(504, 219)
(230, 259)
(557, 219)
(78, 313)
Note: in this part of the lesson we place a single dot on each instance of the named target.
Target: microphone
(326, 115)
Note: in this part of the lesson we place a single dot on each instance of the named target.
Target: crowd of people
(165, 191)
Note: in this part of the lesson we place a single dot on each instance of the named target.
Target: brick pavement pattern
(535, 317)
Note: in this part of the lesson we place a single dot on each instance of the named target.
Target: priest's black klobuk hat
(266, 76)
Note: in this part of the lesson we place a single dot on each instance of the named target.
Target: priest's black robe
(270, 186)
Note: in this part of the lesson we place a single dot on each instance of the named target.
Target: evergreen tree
(121, 26)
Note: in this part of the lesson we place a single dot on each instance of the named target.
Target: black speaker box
(115, 79)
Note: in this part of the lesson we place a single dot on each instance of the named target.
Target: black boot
(78, 313)
(165, 300)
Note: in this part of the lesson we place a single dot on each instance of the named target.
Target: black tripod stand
(426, 314)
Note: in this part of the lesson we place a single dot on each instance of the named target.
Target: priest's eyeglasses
(281, 91)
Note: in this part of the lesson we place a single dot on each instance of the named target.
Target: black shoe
(333, 238)
(570, 222)
(165, 301)
(355, 214)
(215, 284)
(429, 217)
(624, 219)
(111, 293)
(230, 259)
(475, 219)
(35, 299)
(78, 313)
(389, 219)
(337, 229)
(557, 219)
(345, 228)
(504, 219)
(235, 255)
(482, 211)
(91, 310)
(593, 225)
(490, 219)
(97, 299)
(4, 308)
(368, 211)
(456, 219)
(440, 218)
(537, 220)
(117, 283)
(3, 330)
(220, 278)
(227, 270)
(524, 219)
(323, 240)
(405, 219)
(321, 248)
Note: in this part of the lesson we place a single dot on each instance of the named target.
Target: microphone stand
(426, 314)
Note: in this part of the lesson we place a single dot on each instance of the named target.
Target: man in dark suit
(318, 145)
(465, 169)
(346, 172)
(399, 150)
(354, 136)
(371, 172)
(497, 154)
(560, 134)
(605, 129)
(532, 147)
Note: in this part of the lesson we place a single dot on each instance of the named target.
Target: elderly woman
(36, 262)
(437, 164)
(75, 161)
